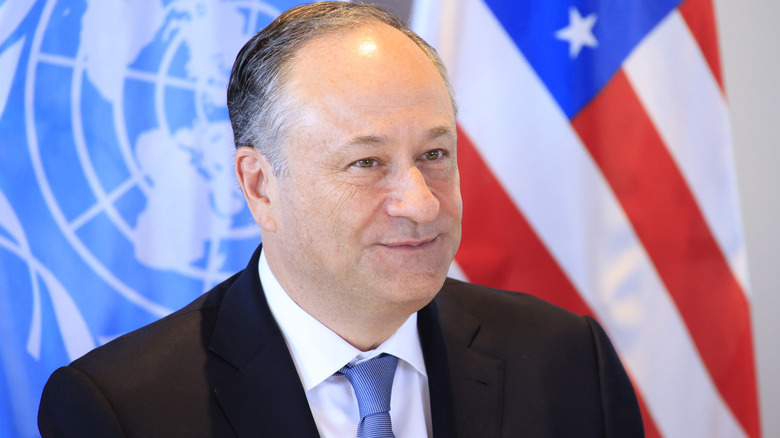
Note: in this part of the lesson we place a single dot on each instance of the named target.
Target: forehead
(374, 57)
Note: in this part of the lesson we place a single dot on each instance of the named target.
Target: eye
(435, 154)
(365, 163)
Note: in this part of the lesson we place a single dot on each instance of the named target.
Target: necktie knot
(372, 381)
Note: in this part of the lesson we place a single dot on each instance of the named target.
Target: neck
(364, 329)
(364, 336)
(363, 323)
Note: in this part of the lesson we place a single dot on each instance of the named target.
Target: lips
(410, 243)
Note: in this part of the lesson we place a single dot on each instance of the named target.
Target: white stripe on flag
(683, 99)
(456, 272)
(531, 147)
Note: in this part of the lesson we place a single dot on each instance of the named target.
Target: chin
(416, 289)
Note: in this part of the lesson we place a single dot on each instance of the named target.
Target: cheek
(447, 191)
(345, 210)
(298, 208)
(341, 199)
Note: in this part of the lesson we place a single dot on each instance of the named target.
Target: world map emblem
(130, 144)
(118, 198)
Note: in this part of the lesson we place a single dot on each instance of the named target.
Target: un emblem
(141, 181)
(118, 200)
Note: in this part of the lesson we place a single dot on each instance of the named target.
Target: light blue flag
(118, 201)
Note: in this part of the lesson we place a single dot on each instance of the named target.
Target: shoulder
(559, 368)
(139, 379)
(160, 350)
(514, 326)
(504, 309)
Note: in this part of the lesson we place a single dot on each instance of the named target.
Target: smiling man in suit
(345, 131)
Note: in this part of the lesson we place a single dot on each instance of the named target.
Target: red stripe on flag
(651, 430)
(663, 211)
(700, 17)
(500, 249)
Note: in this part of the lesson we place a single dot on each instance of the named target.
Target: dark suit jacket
(500, 364)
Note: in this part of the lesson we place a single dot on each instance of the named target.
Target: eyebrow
(442, 131)
(376, 140)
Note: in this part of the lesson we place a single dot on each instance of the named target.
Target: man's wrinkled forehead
(321, 49)
(359, 53)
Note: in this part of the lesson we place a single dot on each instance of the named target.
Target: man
(346, 153)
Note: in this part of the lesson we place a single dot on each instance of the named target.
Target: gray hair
(257, 102)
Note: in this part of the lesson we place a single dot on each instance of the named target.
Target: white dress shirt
(318, 352)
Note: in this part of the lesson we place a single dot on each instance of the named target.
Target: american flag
(597, 173)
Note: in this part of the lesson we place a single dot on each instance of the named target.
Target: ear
(259, 185)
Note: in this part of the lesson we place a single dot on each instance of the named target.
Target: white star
(578, 33)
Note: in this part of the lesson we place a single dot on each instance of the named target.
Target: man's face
(369, 209)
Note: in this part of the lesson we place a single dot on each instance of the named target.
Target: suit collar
(466, 385)
(264, 393)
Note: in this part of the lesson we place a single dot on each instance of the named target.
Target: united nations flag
(118, 201)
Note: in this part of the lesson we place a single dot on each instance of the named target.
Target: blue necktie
(373, 382)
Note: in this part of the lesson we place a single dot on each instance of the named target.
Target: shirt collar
(317, 351)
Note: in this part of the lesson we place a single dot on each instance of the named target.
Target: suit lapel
(466, 386)
(437, 367)
(263, 394)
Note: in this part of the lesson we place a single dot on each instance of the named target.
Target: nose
(412, 198)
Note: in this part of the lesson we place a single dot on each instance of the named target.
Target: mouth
(412, 244)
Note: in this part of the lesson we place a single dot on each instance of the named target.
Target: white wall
(750, 45)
